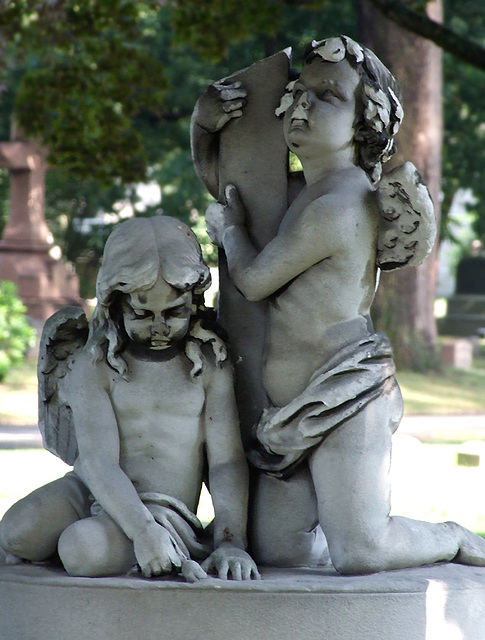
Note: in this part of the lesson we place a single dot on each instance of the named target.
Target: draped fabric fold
(337, 391)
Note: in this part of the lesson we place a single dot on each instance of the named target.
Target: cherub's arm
(98, 466)
(318, 234)
(228, 479)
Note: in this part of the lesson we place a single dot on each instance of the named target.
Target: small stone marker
(458, 353)
(471, 454)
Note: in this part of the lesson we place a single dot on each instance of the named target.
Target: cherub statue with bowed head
(142, 404)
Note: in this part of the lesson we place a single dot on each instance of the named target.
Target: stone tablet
(251, 153)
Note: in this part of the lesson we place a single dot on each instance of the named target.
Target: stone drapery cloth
(354, 377)
(186, 532)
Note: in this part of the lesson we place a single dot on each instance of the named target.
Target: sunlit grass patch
(18, 395)
(453, 391)
(429, 485)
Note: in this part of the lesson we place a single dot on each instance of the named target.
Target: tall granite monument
(44, 282)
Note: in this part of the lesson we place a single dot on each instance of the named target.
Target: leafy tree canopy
(464, 112)
(109, 88)
(80, 71)
(225, 21)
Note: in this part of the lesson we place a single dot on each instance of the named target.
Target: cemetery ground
(427, 482)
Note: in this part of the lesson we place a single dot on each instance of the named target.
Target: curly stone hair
(137, 252)
(380, 113)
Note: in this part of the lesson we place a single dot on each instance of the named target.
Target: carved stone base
(430, 603)
(45, 284)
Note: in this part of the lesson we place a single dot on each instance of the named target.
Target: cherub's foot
(9, 558)
(471, 547)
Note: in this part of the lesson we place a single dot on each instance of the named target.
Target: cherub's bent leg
(31, 527)
(350, 470)
(284, 528)
(96, 547)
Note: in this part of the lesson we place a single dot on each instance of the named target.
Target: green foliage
(166, 138)
(109, 87)
(16, 335)
(214, 26)
(87, 73)
(464, 111)
(4, 198)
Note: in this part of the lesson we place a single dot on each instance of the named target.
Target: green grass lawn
(18, 395)
(452, 391)
(427, 483)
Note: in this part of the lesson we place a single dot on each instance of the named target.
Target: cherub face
(158, 317)
(322, 114)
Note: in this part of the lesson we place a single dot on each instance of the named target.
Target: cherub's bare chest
(157, 390)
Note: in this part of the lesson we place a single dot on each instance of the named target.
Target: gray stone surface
(442, 602)
(44, 282)
(465, 315)
(324, 438)
(141, 404)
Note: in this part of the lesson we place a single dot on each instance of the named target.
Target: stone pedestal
(466, 309)
(441, 602)
(465, 315)
(44, 282)
(458, 353)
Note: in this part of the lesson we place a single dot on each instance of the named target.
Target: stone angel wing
(407, 229)
(64, 335)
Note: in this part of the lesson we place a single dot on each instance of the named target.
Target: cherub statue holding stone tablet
(329, 402)
(141, 403)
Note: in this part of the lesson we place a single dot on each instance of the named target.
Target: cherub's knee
(77, 554)
(18, 536)
(11, 539)
(359, 557)
(87, 549)
(303, 548)
(355, 563)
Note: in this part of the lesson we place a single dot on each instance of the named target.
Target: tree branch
(450, 41)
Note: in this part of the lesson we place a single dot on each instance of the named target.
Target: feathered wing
(407, 229)
(64, 335)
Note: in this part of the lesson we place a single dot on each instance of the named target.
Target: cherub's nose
(159, 326)
(304, 100)
(302, 105)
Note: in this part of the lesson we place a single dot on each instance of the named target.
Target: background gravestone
(466, 308)
(44, 282)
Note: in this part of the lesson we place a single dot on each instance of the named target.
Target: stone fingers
(223, 569)
(192, 571)
(250, 571)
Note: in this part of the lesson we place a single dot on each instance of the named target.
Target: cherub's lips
(299, 123)
(159, 343)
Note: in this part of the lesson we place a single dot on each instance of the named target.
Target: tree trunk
(404, 304)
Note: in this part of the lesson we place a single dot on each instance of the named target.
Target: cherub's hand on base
(229, 560)
(155, 552)
(192, 571)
